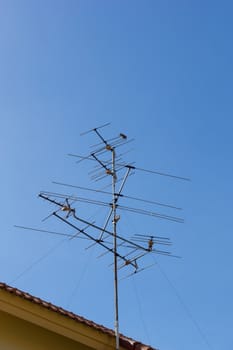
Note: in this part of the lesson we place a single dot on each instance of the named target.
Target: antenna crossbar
(120, 195)
(136, 168)
(94, 225)
(93, 239)
(121, 207)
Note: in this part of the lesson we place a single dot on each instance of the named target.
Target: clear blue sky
(161, 72)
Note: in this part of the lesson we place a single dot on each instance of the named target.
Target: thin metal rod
(161, 173)
(100, 136)
(99, 161)
(51, 232)
(114, 221)
(104, 228)
(108, 141)
(93, 239)
(121, 207)
(106, 223)
(150, 213)
(93, 225)
(99, 127)
(137, 271)
(136, 168)
(151, 236)
(117, 195)
(120, 195)
(104, 150)
(104, 253)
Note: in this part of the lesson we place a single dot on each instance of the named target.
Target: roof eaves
(125, 342)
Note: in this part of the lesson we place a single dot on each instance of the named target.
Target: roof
(127, 343)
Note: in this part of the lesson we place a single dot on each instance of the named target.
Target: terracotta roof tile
(125, 342)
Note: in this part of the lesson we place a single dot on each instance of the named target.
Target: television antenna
(127, 252)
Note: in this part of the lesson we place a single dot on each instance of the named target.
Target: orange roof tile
(125, 342)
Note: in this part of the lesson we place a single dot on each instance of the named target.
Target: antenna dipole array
(127, 252)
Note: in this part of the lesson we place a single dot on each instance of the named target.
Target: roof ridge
(128, 343)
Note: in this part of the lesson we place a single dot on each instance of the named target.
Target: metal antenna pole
(114, 221)
(129, 251)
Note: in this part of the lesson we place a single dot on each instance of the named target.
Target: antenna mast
(130, 250)
(114, 222)
(115, 219)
